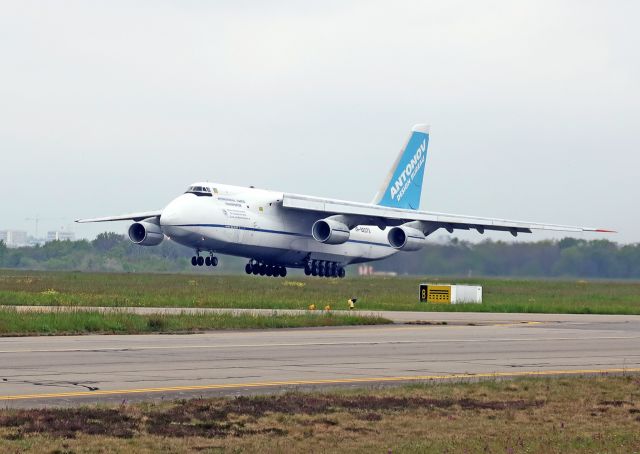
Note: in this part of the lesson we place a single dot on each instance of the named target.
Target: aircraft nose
(172, 213)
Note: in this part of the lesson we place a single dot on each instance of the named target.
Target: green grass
(538, 415)
(14, 323)
(179, 290)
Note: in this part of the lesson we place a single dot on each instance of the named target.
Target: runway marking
(523, 323)
(335, 381)
(311, 344)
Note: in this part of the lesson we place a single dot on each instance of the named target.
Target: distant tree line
(568, 257)
(107, 252)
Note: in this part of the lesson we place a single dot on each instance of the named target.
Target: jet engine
(330, 231)
(406, 238)
(145, 233)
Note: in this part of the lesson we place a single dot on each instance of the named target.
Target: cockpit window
(199, 191)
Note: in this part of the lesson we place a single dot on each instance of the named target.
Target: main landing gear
(324, 268)
(265, 269)
(198, 260)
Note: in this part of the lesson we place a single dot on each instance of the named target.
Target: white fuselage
(252, 223)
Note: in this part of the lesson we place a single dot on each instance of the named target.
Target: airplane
(279, 230)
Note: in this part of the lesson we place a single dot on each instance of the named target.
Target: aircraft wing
(124, 217)
(382, 216)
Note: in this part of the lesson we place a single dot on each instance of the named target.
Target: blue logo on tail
(404, 188)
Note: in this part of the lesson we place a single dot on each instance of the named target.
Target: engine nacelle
(406, 238)
(145, 234)
(330, 231)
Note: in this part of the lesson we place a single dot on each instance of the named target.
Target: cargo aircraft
(277, 230)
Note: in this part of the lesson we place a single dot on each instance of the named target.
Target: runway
(69, 370)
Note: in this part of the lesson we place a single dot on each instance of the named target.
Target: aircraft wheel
(263, 270)
(214, 261)
(207, 261)
(269, 271)
(194, 261)
(283, 271)
(307, 270)
(247, 268)
(342, 273)
(200, 261)
(255, 269)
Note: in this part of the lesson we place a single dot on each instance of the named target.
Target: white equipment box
(450, 294)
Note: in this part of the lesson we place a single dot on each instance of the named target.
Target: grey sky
(111, 107)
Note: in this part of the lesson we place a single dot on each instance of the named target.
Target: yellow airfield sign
(450, 293)
(430, 293)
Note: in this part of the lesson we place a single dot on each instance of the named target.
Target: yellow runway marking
(317, 382)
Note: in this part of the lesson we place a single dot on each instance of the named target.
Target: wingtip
(605, 231)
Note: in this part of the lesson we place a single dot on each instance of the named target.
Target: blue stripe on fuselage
(278, 232)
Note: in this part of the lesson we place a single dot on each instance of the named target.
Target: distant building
(13, 238)
(32, 241)
(365, 270)
(368, 270)
(60, 235)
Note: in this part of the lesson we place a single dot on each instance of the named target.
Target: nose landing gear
(198, 260)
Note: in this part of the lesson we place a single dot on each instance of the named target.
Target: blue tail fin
(403, 185)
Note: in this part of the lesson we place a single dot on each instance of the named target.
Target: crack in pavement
(52, 383)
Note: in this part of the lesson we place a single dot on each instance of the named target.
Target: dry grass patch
(588, 414)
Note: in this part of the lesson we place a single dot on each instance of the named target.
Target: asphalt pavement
(70, 370)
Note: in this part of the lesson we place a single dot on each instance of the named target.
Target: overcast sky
(116, 106)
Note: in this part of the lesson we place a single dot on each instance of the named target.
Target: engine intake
(406, 238)
(145, 234)
(329, 231)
